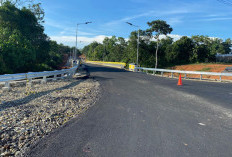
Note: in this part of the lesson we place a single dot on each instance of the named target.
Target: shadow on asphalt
(99, 68)
(97, 78)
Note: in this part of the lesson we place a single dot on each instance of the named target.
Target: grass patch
(205, 69)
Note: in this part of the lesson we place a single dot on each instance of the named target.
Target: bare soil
(209, 67)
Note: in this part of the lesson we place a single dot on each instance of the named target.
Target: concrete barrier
(132, 67)
(109, 64)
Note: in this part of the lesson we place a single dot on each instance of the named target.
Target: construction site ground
(206, 67)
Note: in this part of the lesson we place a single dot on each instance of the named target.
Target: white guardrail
(9, 78)
(183, 72)
(224, 55)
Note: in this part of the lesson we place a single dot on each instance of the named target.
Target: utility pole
(76, 43)
(138, 50)
(137, 60)
(76, 38)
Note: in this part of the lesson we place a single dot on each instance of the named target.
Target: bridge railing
(201, 73)
(8, 78)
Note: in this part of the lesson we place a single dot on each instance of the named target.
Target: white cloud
(218, 19)
(216, 15)
(51, 23)
(65, 29)
(82, 41)
(174, 36)
(177, 37)
(174, 21)
(151, 13)
(72, 30)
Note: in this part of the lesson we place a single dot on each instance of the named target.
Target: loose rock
(25, 118)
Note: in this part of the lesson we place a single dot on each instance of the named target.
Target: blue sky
(198, 17)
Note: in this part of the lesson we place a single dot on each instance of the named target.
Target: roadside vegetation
(23, 44)
(186, 50)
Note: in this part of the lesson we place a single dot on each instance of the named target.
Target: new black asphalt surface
(140, 115)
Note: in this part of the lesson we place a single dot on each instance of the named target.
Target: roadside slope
(206, 67)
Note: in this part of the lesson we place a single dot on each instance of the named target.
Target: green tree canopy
(161, 28)
(23, 44)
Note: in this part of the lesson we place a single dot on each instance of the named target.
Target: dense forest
(23, 44)
(186, 50)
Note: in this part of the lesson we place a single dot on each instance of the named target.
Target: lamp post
(76, 37)
(137, 61)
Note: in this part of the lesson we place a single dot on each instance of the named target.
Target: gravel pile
(29, 113)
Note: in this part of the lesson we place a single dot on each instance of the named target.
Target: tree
(17, 49)
(35, 8)
(23, 44)
(14, 2)
(161, 28)
(89, 50)
(227, 44)
(201, 49)
(38, 11)
(132, 46)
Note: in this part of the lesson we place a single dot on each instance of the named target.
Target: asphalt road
(142, 115)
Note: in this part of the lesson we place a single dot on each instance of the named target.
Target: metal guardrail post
(62, 76)
(7, 86)
(162, 73)
(172, 74)
(220, 78)
(185, 76)
(44, 80)
(29, 83)
(201, 77)
(70, 74)
(55, 77)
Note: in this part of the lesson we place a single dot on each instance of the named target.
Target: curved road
(143, 115)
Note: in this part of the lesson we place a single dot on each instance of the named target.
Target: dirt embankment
(204, 67)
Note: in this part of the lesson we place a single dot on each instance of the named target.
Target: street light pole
(76, 37)
(138, 49)
(76, 44)
(137, 60)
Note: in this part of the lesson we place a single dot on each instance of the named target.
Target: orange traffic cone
(180, 81)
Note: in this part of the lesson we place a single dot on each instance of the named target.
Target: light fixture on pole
(137, 62)
(76, 37)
